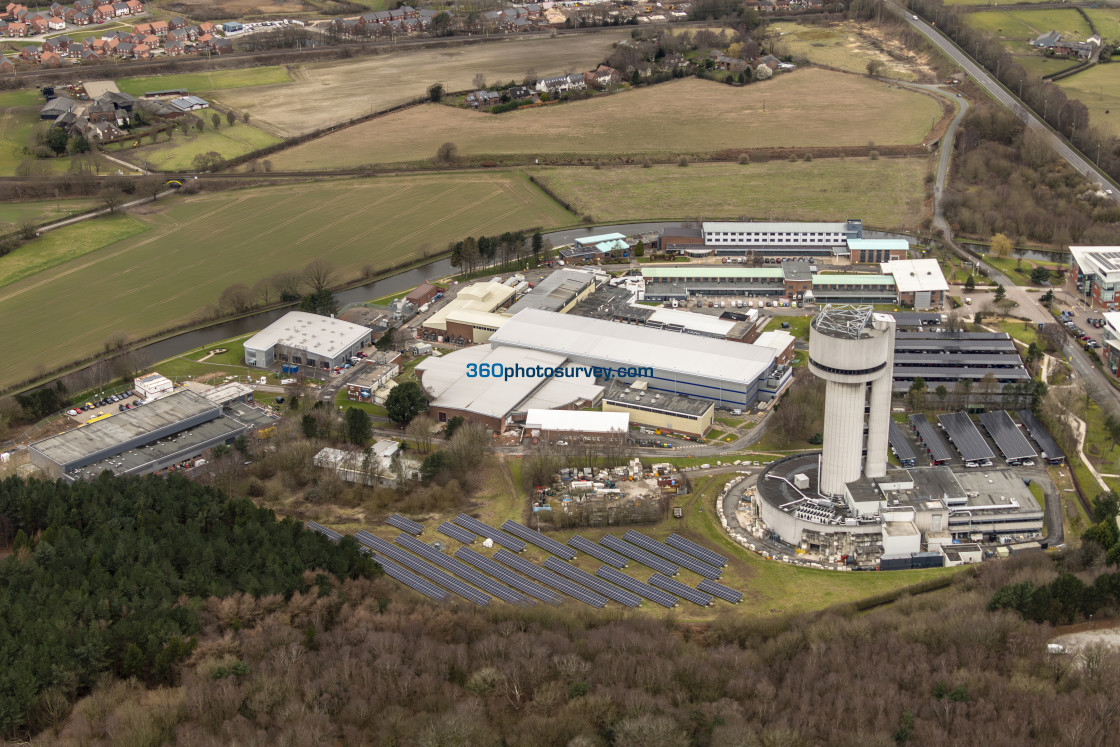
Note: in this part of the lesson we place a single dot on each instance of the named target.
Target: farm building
(306, 340)
(667, 412)
(189, 103)
(574, 426)
(920, 282)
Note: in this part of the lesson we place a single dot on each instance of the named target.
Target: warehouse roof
(707, 324)
(698, 271)
(742, 226)
(836, 279)
(320, 335)
(94, 438)
(592, 240)
(777, 339)
(484, 297)
(476, 318)
(965, 436)
(638, 397)
(577, 420)
(915, 275)
(555, 292)
(613, 343)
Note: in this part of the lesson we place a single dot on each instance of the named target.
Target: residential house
(29, 54)
(85, 5)
(576, 82)
(177, 23)
(80, 18)
(483, 99)
(142, 28)
(518, 93)
(106, 11)
(731, 64)
(770, 61)
(121, 9)
(159, 28)
(6, 66)
(56, 23)
(556, 84)
(534, 10)
(89, 57)
(17, 29)
(50, 59)
(135, 7)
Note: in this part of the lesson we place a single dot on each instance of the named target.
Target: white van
(750, 304)
(723, 304)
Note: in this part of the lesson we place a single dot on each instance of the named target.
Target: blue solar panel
(536, 538)
(423, 567)
(505, 540)
(598, 552)
(548, 578)
(506, 576)
(586, 579)
(405, 525)
(664, 598)
(695, 550)
(681, 590)
(719, 590)
(455, 532)
(330, 534)
(463, 571)
(672, 554)
(635, 553)
(410, 579)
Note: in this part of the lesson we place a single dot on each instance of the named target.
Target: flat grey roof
(554, 292)
(964, 434)
(89, 440)
(1041, 435)
(319, 335)
(1007, 435)
(900, 444)
(618, 344)
(931, 438)
(797, 270)
(644, 399)
(612, 302)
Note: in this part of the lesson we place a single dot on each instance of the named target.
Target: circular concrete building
(852, 349)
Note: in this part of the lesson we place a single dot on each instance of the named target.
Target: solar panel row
(330, 534)
(931, 439)
(719, 590)
(901, 445)
(536, 538)
(660, 596)
(556, 565)
(505, 575)
(695, 550)
(550, 579)
(625, 548)
(423, 567)
(1010, 440)
(505, 540)
(405, 525)
(455, 532)
(463, 571)
(410, 579)
(965, 436)
(1041, 436)
(676, 587)
(672, 554)
(598, 552)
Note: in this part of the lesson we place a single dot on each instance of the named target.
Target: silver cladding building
(731, 374)
(304, 339)
(146, 439)
(852, 349)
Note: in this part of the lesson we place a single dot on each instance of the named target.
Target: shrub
(873, 155)
(646, 163)
(744, 159)
(683, 162)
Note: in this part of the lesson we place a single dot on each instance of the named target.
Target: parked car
(72, 412)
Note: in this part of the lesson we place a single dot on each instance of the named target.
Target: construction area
(586, 497)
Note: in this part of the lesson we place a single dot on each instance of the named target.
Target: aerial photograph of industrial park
(585, 373)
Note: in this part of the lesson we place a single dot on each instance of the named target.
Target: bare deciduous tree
(317, 274)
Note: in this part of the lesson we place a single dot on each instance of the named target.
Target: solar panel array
(933, 441)
(556, 565)
(672, 554)
(634, 553)
(598, 552)
(455, 532)
(423, 567)
(695, 550)
(405, 525)
(719, 590)
(652, 593)
(1041, 436)
(681, 590)
(536, 538)
(463, 571)
(965, 436)
(505, 575)
(1007, 435)
(410, 579)
(330, 534)
(900, 444)
(548, 578)
(505, 540)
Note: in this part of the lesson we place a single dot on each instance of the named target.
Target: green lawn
(66, 244)
(1098, 88)
(1028, 24)
(1019, 272)
(234, 355)
(1041, 65)
(21, 97)
(198, 246)
(1024, 332)
(12, 214)
(1107, 21)
(887, 193)
(198, 83)
(178, 153)
(798, 325)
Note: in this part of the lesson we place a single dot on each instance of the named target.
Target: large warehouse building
(162, 433)
(472, 315)
(727, 373)
(306, 340)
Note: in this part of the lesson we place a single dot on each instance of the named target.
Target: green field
(40, 211)
(1107, 21)
(1040, 65)
(178, 153)
(198, 246)
(1098, 88)
(991, 3)
(198, 83)
(19, 115)
(65, 245)
(1028, 24)
(887, 193)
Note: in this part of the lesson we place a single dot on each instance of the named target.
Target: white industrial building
(731, 374)
(306, 340)
(153, 385)
(577, 426)
(797, 238)
(852, 349)
(919, 282)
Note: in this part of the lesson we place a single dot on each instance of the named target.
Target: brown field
(687, 116)
(323, 94)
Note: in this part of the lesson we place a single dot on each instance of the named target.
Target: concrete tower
(852, 348)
